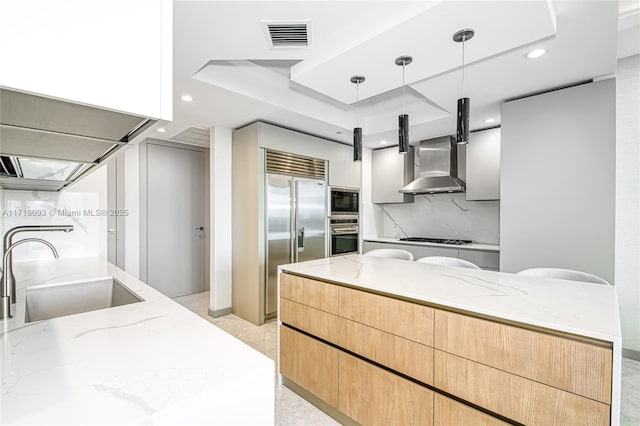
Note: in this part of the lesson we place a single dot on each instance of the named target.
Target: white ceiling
(222, 59)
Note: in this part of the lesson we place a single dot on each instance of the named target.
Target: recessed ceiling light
(186, 98)
(535, 53)
(162, 130)
(383, 142)
(490, 120)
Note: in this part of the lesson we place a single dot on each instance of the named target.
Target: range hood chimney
(438, 168)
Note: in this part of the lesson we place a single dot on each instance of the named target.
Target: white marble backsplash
(435, 215)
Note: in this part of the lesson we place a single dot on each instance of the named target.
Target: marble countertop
(134, 364)
(472, 246)
(583, 309)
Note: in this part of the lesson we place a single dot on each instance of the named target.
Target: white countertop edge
(471, 246)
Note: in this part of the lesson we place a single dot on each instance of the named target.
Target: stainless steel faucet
(8, 240)
(5, 306)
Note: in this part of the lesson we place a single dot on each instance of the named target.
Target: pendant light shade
(462, 136)
(462, 133)
(357, 131)
(403, 133)
(403, 119)
(357, 144)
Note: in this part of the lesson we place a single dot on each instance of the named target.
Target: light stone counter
(151, 363)
(578, 308)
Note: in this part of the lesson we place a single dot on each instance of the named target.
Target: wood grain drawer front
(515, 397)
(316, 294)
(447, 412)
(310, 364)
(313, 321)
(373, 396)
(576, 367)
(400, 354)
(404, 319)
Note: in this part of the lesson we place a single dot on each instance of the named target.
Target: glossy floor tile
(291, 409)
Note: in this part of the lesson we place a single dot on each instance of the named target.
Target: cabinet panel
(403, 355)
(310, 364)
(515, 397)
(483, 165)
(337, 170)
(404, 319)
(373, 396)
(447, 412)
(313, 321)
(309, 292)
(563, 363)
(390, 171)
(484, 259)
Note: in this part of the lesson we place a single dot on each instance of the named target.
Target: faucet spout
(8, 240)
(6, 300)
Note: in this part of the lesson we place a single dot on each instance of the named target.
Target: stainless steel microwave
(345, 201)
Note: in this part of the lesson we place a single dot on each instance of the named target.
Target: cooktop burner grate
(436, 240)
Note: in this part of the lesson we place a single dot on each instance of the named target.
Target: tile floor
(293, 410)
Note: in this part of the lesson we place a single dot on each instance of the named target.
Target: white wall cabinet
(343, 171)
(115, 54)
(483, 165)
(390, 171)
(557, 180)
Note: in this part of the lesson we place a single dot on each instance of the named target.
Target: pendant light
(357, 131)
(403, 119)
(462, 134)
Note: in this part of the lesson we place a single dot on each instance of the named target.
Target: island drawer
(522, 400)
(398, 317)
(310, 364)
(317, 294)
(313, 321)
(447, 412)
(574, 366)
(400, 354)
(371, 395)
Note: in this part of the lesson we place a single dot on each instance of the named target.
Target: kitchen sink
(48, 301)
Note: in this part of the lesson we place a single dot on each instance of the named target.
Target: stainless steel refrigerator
(296, 226)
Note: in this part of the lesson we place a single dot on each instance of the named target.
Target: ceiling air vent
(193, 136)
(288, 34)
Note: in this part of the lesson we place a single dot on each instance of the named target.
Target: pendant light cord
(464, 39)
(357, 102)
(403, 88)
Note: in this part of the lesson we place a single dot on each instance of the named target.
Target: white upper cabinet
(390, 171)
(115, 54)
(343, 171)
(483, 165)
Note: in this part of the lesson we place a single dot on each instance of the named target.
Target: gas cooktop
(436, 240)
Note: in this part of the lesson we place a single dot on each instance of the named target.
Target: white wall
(627, 245)
(220, 249)
(78, 206)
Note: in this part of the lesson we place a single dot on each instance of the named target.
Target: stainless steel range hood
(45, 144)
(438, 168)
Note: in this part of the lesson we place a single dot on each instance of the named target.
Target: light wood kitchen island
(384, 341)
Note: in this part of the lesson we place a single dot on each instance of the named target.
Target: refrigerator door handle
(300, 239)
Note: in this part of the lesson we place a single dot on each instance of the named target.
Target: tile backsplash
(435, 215)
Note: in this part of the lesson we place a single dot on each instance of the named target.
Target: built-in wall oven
(345, 201)
(344, 234)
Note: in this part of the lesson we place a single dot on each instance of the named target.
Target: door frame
(144, 210)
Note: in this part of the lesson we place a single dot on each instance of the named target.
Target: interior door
(311, 218)
(175, 220)
(279, 241)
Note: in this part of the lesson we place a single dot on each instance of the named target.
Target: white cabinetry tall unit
(248, 203)
(115, 54)
(390, 171)
(483, 165)
(557, 180)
